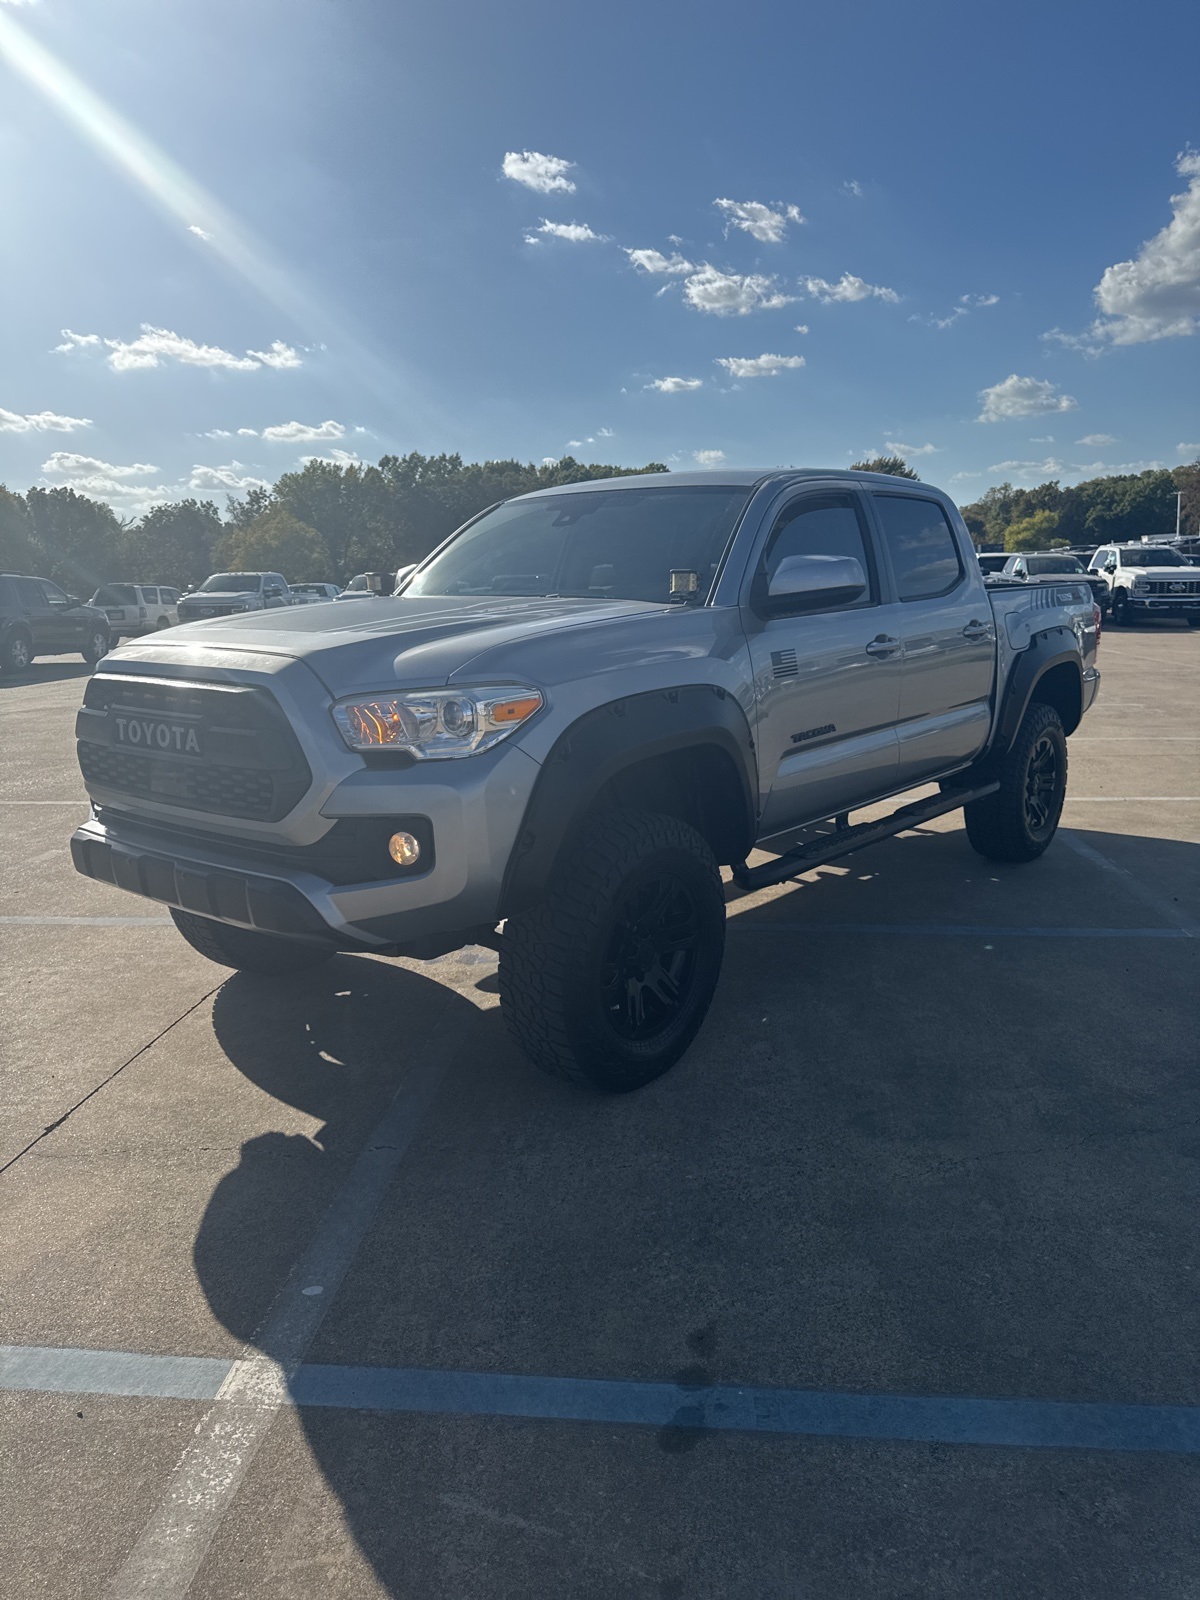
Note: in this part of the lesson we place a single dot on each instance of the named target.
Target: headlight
(436, 724)
(1140, 585)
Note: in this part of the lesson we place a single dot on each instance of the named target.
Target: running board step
(844, 840)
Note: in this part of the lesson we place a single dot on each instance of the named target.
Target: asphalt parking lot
(889, 1289)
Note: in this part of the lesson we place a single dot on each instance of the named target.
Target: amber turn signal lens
(515, 710)
(404, 850)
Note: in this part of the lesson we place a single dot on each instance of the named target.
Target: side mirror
(274, 592)
(1110, 565)
(375, 582)
(809, 583)
(404, 574)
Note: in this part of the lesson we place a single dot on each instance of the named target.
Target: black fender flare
(608, 740)
(1045, 652)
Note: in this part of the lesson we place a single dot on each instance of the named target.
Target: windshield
(228, 582)
(1157, 556)
(1054, 564)
(115, 594)
(616, 544)
(308, 588)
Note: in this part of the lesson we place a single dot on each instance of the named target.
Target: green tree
(276, 542)
(77, 540)
(1035, 532)
(172, 544)
(1187, 482)
(895, 466)
(17, 546)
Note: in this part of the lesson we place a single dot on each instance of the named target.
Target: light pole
(1178, 509)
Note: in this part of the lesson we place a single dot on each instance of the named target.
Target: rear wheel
(1020, 819)
(605, 982)
(269, 954)
(17, 651)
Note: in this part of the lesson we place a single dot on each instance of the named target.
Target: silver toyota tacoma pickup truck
(579, 708)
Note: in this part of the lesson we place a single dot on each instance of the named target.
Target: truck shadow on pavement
(56, 671)
(899, 1164)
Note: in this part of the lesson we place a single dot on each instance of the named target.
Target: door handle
(883, 645)
(976, 631)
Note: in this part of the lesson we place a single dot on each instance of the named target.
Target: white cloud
(852, 187)
(575, 232)
(546, 174)
(1041, 438)
(201, 233)
(1157, 294)
(655, 261)
(604, 433)
(154, 346)
(302, 432)
(708, 458)
(574, 444)
(1022, 397)
(764, 366)
(216, 433)
(337, 458)
(40, 422)
(766, 223)
(247, 433)
(1188, 449)
(979, 299)
(802, 327)
(906, 450)
(66, 463)
(672, 386)
(846, 289)
(1050, 468)
(228, 477)
(1086, 343)
(550, 461)
(280, 355)
(730, 294)
(1096, 440)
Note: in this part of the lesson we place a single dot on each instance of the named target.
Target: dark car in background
(37, 618)
(1056, 564)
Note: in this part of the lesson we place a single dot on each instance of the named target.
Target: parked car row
(1146, 579)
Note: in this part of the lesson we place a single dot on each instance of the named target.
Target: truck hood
(1166, 574)
(212, 597)
(418, 642)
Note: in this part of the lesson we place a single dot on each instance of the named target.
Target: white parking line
(168, 1554)
(1168, 910)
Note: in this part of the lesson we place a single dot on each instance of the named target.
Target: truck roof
(727, 477)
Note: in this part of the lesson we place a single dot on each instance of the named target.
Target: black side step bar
(844, 840)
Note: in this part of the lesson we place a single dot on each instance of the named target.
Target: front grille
(231, 791)
(252, 765)
(199, 613)
(1182, 589)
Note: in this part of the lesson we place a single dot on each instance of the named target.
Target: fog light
(404, 850)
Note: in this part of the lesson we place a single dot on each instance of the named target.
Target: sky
(235, 234)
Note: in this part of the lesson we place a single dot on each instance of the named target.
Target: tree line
(325, 522)
(330, 520)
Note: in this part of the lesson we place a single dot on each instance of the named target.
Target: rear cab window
(926, 560)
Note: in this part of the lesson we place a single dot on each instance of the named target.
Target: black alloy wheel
(650, 962)
(1041, 784)
(1122, 611)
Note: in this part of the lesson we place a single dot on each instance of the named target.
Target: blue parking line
(726, 1408)
(957, 930)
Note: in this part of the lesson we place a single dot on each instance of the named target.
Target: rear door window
(29, 593)
(924, 552)
(53, 594)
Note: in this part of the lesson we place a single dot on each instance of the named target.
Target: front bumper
(1169, 605)
(471, 820)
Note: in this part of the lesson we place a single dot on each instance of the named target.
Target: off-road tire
(271, 955)
(555, 957)
(1004, 826)
(98, 645)
(16, 653)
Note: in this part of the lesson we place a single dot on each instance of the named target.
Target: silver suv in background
(136, 608)
(312, 594)
(228, 594)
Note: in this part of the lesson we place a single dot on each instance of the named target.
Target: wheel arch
(1049, 671)
(687, 752)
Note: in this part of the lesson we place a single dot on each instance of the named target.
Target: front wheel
(1020, 819)
(17, 651)
(269, 954)
(98, 645)
(605, 982)
(1122, 611)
